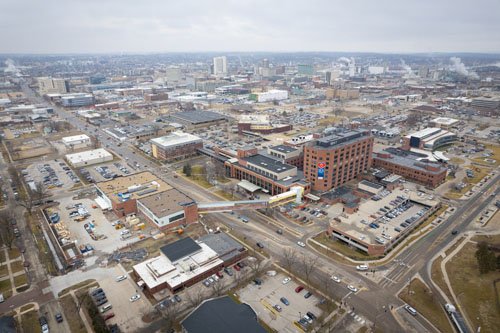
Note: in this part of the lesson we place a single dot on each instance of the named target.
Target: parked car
(260, 245)
(109, 316)
(301, 244)
(277, 308)
(284, 301)
(286, 280)
(299, 289)
(59, 317)
(352, 288)
(135, 297)
(308, 294)
(120, 278)
(410, 310)
(362, 267)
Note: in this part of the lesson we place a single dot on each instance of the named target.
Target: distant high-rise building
(423, 72)
(328, 77)
(48, 85)
(305, 69)
(220, 65)
(265, 63)
(173, 74)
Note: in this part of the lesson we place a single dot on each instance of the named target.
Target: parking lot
(108, 238)
(127, 314)
(263, 299)
(54, 174)
(106, 171)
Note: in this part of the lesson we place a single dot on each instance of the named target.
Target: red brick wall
(124, 208)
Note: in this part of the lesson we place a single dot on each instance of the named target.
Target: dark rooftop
(225, 246)
(222, 315)
(268, 163)
(197, 117)
(283, 148)
(341, 137)
(372, 185)
(179, 249)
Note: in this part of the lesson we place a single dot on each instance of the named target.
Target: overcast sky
(87, 26)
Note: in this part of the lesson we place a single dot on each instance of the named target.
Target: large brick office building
(343, 156)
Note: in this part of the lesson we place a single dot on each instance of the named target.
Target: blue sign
(321, 173)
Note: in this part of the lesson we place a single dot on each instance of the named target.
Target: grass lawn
(16, 266)
(44, 253)
(3, 270)
(424, 302)
(29, 322)
(14, 253)
(475, 292)
(20, 280)
(479, 173)
(225, 195)
(333, 255)
(71, 314)
(196, 176)
(76, 286)
(2, 255)
(458, 194)
(438, 278)
(26, 307)
(456, 160)
(342, 248)
(5, 286)
(495, 149)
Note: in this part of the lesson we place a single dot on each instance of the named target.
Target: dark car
(284, 301)
(59, 318)
(454, 232)
(178, 298)
(97, 291)
(101, 302)
(257, 281)
(308, 294)
(259, 245)
(311, 315)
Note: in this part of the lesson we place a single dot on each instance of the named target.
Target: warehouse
(89, 157)
(76, 141)
(198, 119)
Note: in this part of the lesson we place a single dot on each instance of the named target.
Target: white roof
(81, 137)
(424, 132)
(444, 121)
(88, 155)
(175, 138)
(159, 270)
(248, 186)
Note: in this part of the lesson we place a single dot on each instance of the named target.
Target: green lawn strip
(29, 322)
(71, 314)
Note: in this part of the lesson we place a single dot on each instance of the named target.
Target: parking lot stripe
(269, 306)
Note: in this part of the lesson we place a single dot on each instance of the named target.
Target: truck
(456, 318)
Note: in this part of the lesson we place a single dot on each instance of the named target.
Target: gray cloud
(52, 26)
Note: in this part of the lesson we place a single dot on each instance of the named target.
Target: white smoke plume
(408, 69)
(344, 59)
(458, 66)
(10, 67)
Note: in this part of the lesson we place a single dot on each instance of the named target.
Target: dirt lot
(112, 240)
(262, 299)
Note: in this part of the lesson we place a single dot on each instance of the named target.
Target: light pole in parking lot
(300, 315)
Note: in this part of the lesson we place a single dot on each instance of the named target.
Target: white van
(362, 267)
(105, 308)
(410, 310)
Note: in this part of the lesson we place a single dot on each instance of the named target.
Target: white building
(220, 65)
(48, 85)
(89, 157)
(79, 99)
(271, 95)
(444, 122)
(76, 141)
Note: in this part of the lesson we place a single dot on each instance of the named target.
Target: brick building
(411, 166)
(270, 174)
(343, 155)
(176, 145)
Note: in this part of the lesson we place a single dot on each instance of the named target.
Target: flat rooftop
(410, 160)
(88, 155)
(198, 117)
(283, 148)
(268, 163)
(369, 211)
(445, 121)
(134, 185)
(166, 203)
(175, 139)
(341, 138)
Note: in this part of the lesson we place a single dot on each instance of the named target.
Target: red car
(109, 316)
(299, 289)
(236, 267)
(219, 275)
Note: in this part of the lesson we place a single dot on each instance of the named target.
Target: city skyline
(157, 27)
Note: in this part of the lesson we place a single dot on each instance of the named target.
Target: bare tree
(210, 171)
(309, 266)
(28, 203)
(289, 258)
(238, 278)
(194, 298)
(40, 191)
(6, 231)
(171, 314)
(218, 288)
(255, 266)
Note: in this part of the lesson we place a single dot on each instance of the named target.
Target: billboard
(321, 170)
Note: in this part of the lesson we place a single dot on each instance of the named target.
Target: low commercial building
(177, 145)
(444, 122)
(207, 318)
(168, 209)
(89, 157)
(198, 119)
(335, 159)
(76, 141)
(430, 139)
(410, 165)
(49, 85)
(185, 262)
(77, 100)
(342, 94)
(269, 96)
(271, 175)
(260, 124)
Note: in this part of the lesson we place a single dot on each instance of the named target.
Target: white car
(336, 279)
(352, 288)
(124, 232)
(362, 267)
(301, 244)
(286, 280)
(135, 297)
(120, 278)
